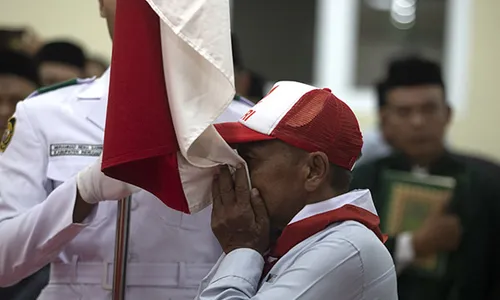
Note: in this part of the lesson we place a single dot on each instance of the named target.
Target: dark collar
(446, 164)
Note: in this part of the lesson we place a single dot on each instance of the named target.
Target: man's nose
(417, 119)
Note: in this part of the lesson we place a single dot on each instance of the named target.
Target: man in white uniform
(297, 234)
(53, 212)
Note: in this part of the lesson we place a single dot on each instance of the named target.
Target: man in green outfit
(414, 116)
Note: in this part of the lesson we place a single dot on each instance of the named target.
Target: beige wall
(477, 129)
(75, 19)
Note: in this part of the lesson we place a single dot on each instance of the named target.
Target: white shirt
(346, 261)
(169, 252)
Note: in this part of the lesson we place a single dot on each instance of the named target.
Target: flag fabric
(171, 77)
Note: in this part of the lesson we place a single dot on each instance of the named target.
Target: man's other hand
(441, 232)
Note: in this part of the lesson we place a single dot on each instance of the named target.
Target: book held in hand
(409, 200)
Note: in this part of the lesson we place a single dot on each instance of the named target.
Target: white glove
(94, 186)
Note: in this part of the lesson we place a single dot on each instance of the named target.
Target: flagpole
(121, 248)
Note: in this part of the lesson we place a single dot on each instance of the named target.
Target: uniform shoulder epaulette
(61, 85)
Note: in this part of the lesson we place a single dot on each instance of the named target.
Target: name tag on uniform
(75, 150)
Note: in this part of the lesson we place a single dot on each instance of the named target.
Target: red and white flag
(171, 77)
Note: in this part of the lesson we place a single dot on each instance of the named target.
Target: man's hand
(239, 216)
(94, 186)
(441, 232)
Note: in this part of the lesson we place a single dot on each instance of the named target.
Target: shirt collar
(360, 198)
(98, 89)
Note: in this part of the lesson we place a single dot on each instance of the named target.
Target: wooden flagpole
(121, 249)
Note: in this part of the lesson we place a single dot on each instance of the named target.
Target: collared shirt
(57, 134)
(346, 261)
(473, 271)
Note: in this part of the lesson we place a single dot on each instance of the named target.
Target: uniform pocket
(63, 168)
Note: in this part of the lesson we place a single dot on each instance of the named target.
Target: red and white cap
(303, 116)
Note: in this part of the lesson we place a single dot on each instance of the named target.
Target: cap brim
(237, 133)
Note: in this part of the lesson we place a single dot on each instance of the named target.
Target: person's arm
(236, 276)
(403, 251)
(331, 269)
(441, 231)
(400, 246)
(34, 227)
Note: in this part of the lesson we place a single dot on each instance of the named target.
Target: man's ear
(102, 11)
(318, 171)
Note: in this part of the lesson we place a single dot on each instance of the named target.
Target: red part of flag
(140, 145)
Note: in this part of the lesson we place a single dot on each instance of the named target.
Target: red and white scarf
(353, 206)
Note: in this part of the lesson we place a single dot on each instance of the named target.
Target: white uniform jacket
(345, 261)
(57, 134)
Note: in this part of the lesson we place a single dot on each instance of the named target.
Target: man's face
(12, 90)
(53, 72)
(108, 11)
(94, 69)
(414, 120)
(277, 175)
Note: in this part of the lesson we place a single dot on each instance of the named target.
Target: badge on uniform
(75, 150)
(8, 133)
